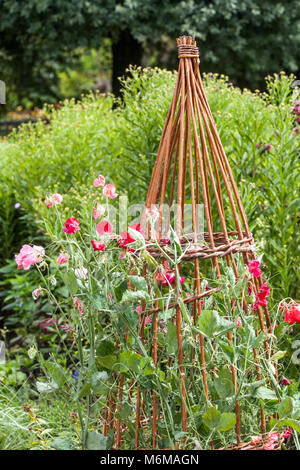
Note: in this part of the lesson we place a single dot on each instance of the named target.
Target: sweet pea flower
(36, 293)
(254, 268)
(296, 109)
(285, 381)
(109, 191)
(78, 304)
(269, 445)
(71, 225)
(147, 319)
(126, 238)
(256, 440)
(287, 432)
(98, 211)
(48, 325)
(63, 257)
(54, 199)
(273, 437)
(29, 256)
(292, 313)
(81, 272)
(104, 227)
(100, 181)
(261, 296)
(98, 246)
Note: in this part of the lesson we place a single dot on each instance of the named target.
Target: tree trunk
(126, 51)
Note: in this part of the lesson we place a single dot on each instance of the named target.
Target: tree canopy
(245, 39)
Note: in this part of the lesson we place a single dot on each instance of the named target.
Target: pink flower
(63, 257)
(29, 256)
(100, 181)
(48, 325)
(36, 293)
(285, 381)
(273, 437)
(269, 445)
(238, 322)
(104, 227)
(137, 228)
(98, 211)
(287, 432)
(98, 246)
(147, 319)
(78, 304)
(256, 440)
(54, 199)
(254, 268)
(71, 225)
(110, 191)
(168, 276)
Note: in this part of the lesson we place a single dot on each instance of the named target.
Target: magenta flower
(285, 381)
(71, 225)
(254, 268)
(98, 246)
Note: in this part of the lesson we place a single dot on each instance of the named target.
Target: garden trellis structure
(192, 167)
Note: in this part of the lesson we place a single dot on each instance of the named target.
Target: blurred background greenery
(53, 49)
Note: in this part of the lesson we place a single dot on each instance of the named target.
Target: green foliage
(35, 47)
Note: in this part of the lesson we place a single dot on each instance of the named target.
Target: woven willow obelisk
(192, 167)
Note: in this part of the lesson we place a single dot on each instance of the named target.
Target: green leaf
(223, 383)
(134, 296)
(96, 441)
(108, 362)
(289, 422)
(227, 421)
(171, 338)
(98, 382)
(104, 348)
(211, 418)
(286, 407)
(57, 373)
(60, 443)
(211, 324)
(84, 391)
(139, 282)
(265, 393)
(215, 421)
(278, 355)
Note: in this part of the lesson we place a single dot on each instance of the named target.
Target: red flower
(71, 225)
(261, 296)
(98, 246)
(292, 313)
(126, 238)
(285, 381)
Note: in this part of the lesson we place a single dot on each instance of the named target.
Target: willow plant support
(191, 161)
